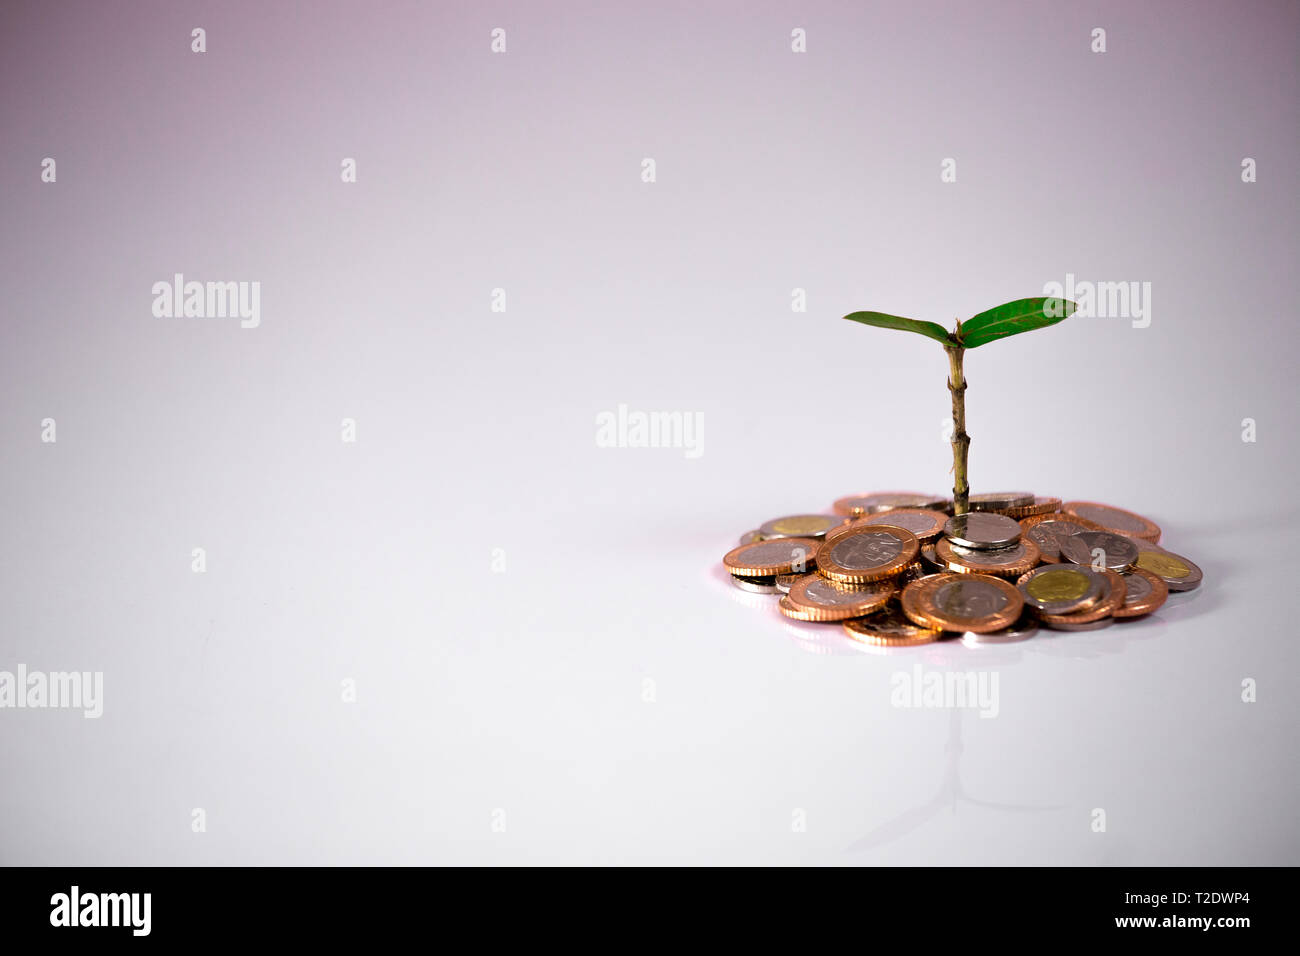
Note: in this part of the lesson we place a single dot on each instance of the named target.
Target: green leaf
(882, 321)
(1022, 315)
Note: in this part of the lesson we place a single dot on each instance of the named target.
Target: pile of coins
(897, 568)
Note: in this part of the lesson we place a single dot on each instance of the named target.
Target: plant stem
(960, 440)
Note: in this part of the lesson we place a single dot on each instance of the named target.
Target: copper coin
(1062, 589)
(1143, 593)
(1041, 506)
(799, 526)
(766, 558)
(862, 555)
(1115, 519)
(878, 501)
(1048, 530)
(1004, 562)
(1098, 549)
(889, 627)
(925, 523)
(1109, 603)
(962, 602)
(1178, 573)
(1000, 500)
(817, 598)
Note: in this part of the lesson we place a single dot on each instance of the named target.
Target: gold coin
(925, 523)
(1177, 572)
(1111, 601)
(889, 627)
(1004, 562)
(1144, 592)
(862, 555)
(1062, 589)
(799, 526)
(767, 558)
(979, 603)
(818, 598)
(1115, 519)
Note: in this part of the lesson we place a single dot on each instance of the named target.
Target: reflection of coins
(962, 602)
(1111, 599)
(1143, 593)
(889, 627)
(1062, 589)
(1115, 519)
(816, 598)
(1000, 500)
(1025, 628)
(766, 558)
(1040, 506)
(749, 537)
(1099, 548)
(982, 529)
(755, 584)
(1004, 562)
(799, 526)
(1048, 530)
(885, 500)
(866, 554)
(926, 524)
(1174, 570)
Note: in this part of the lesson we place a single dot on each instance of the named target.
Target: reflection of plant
(1022, 315)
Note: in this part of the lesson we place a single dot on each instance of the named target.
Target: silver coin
(990, 557)
(1177, 572)
(888, 500)
(982, 530)
(1023, 629)
(863, 552)
(1090, 626)
(930, 562)
(1063, 588)
(908, 521)
(799, 526)
(1136, 587)
(1100, 549)
(749, 537)
(1049, 534)
(785, 581)
(968, 596)
(757, 585)
(1000, 500)
(823, 592)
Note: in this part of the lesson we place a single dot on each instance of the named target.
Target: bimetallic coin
(1062, 589)
(1000, 500)
(1143, 593)
(1178, 573)
(889, 627)
(924, 523)
(778, 556)
(1004, 562)
(982, 530)
(816, 598)
(1041, 506)
(785, 581)
(1111, 600)
(758, 585)
(1022, 630)
(867, 554)
(962, 602)
(749, 537)
(799, 526)
(1048, 530)
(1115, 519)
(1099, 549)
(870, 504)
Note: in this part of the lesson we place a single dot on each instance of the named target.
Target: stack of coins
(896, 568)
